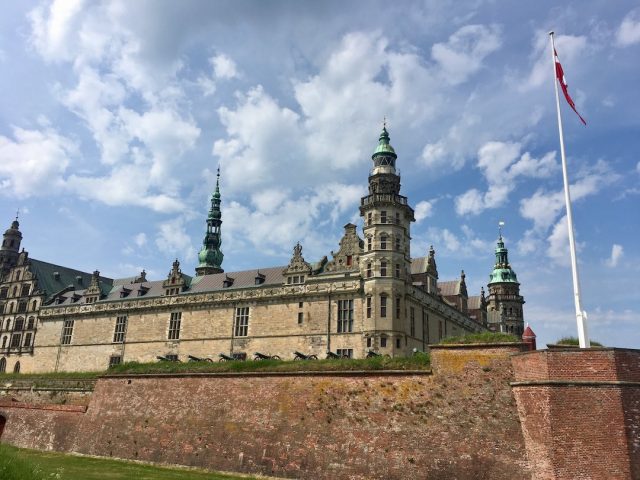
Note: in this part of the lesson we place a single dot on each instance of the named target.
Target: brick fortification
(580, 412)
(401, 425)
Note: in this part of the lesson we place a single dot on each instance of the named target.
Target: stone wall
(356, 425)
(580, 412)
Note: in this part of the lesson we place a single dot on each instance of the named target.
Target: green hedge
(484, 337)
(576, 342)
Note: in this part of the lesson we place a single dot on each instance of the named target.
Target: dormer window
(260, 278)
(227, 282)
(124, 293)
(142, 291)
(295, 279)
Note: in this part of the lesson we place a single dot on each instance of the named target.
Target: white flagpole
(581, 316)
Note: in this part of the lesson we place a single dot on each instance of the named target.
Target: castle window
(18, 275)
(369, 218)
(349, 260)
(440, 332)
(121, 329)
(397, 343)
(27, 339)
(300, 318)
(242, 322)
(3, 363)
(368, 342)
(115, 360)
(4, 292)
(67, 332)
(397, 270)
(34, 305)
(15, 340)
(31, 323)
(174, 325)
(383, 268)
(4, 342)
(368, 244)
(397, 243)
(383, 241)
(1, 310)
(412, 322)
(383, 216)
(16, 367)
(383, 342)
(369, 270)
(345, 316)
(397, 307)
(368, 307)
(22, 307)
(15, 291)
(383, 306)
(19, 325)
(25, 290)
(398, 218)
(345, 352)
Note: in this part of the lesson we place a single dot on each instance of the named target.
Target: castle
(370, 296)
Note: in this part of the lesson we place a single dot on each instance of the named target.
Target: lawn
(21, 464)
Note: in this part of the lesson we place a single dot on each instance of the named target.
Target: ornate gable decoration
(432, 268)
(297, 268)
(347, 258)
(175, 281)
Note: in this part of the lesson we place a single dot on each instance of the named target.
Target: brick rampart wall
(580, 412)
(321, 426)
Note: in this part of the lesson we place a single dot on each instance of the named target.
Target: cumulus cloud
(465, 50)
(423, 209)
(616, 254)
(173, 239)
(502, 164)
(629, 31)
(33, 162)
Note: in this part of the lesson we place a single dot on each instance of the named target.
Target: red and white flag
(563, 84)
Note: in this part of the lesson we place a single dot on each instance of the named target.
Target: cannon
(302, 356)
(193, 358)
(330, 354)
(262, 356)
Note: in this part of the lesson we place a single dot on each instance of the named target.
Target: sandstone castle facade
(372, 295)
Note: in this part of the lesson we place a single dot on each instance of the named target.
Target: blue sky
(114, 116)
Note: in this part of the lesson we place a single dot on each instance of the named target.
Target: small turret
(10, 249)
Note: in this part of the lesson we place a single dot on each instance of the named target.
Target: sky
(114, 117)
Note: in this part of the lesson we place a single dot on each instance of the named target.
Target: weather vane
(500, 225)
(17, 214)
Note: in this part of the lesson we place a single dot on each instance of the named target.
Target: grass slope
(21, 464)
(484, 337)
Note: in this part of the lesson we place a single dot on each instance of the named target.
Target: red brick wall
(384, 426)
(580, 412)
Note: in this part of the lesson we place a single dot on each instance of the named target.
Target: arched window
(7, 325)
(16, 368)
(17, 275)
(31, 323)
(34, 305)
(4, 342)
(19, 325)
(15, 291)
(3, 362)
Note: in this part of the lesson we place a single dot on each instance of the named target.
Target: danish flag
(563, 84)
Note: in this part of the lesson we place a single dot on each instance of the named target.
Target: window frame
(120, 330)
(175, 325)
(241, 322)
(67, 332)
(345, 316)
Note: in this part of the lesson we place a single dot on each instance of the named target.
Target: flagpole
(583, 336)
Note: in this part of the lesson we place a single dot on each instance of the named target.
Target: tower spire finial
(17, 214)
(500, 225)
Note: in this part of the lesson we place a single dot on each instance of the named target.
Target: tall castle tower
(210, 257)
(10, 247)
(504, 310)
(386, 262)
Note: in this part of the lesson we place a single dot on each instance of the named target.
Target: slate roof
(474, 303)
(419, 265)
(49, 283)
(449, 288)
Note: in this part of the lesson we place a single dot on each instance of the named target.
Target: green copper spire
(210, 257)
(502, 272)
(384, 148)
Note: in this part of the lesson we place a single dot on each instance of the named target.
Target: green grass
(21, 464)
(574, 341)
(484, 337)
(417, 362)
(50, 375)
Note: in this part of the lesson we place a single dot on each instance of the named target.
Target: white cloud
(502, 164)
(629, 31)
(423, 209)
(33, 162)
(223, 67)
(140, 239)
(53, 28)
(558, 243)
(465, 50)
(173, 239)
(616, 254)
